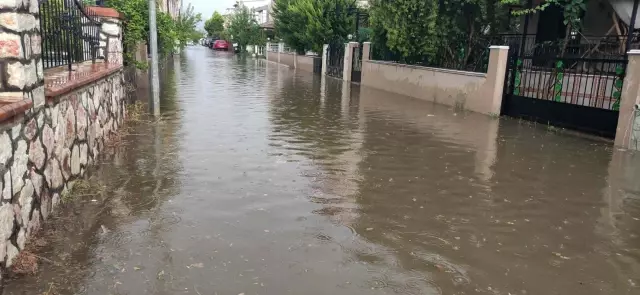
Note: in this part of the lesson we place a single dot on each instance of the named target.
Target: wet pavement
(263, 180)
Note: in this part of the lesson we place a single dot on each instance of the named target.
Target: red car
(221, 45)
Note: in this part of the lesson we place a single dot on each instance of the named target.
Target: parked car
(221, 45)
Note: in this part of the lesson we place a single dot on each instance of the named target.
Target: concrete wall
(288, 59)
(272, 56)
(305, 63)
(478, 92)
(43, 151)
(628, 132)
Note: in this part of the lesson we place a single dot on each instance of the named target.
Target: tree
(453, 33)
(136, 28)
(186, 25)
(573, 12)
(308, 24)
(215, 25)
(243, 28)
(290, 21)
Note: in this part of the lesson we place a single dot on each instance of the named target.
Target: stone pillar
(348, 58)
(110, 48)
(20, 53)
(628, 132)
(492, 103)
(325, 51)
(111, 39)
(366, 51)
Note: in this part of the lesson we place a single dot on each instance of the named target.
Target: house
(172, 7)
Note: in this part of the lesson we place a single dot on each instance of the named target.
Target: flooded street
(264, 180)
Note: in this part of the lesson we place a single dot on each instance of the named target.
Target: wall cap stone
(499, 47)
(13, 109)
(634, 52)
(59, 82)
(456, 72)
(104, 12)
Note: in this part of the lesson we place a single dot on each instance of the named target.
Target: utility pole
(154, 103)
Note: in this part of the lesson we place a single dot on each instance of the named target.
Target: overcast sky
(207, 7)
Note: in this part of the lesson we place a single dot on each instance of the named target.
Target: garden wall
(54, 123)
(45, 149)
(478, 92)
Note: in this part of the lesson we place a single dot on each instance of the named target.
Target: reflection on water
(264, 180)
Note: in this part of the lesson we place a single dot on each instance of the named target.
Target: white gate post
(348, 58)
(325, 50)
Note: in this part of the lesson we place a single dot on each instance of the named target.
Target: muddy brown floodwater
(264, 180)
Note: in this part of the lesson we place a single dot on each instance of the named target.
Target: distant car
(221, 45)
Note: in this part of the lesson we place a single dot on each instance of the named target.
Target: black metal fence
(335, 60)
(317, 64)
(70, 33)
(470, 56)
(576, 46)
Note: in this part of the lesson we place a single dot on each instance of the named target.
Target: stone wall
(20, 52)
(43, 151)
(49, 135)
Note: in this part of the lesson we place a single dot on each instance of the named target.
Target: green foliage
(171, 33)
(308, 24)
(244, 29)
(451, 32)
(364, 34)
(573, 10)
(185, 26)
(215, 25)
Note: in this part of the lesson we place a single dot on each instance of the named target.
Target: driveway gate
(335, 60)
(574, 93)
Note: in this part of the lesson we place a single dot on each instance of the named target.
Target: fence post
(348, 58)
(498, 57)
(628, 131)
(268, 49)
(280, 50)
(295, 60)
(366, 51)
(325, 51)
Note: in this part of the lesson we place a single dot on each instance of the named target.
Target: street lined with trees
(172, 32)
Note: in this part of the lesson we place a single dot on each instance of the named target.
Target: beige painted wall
(272, 56)
(305, 63)
(628, 132)
(465, 90)
(287, 59)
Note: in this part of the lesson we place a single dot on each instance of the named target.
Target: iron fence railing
(576, 46)
(274, 47)
(70, 33)
(471, 56)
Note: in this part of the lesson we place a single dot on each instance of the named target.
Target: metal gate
(356, 64)
(335, 60)
(575, 93)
